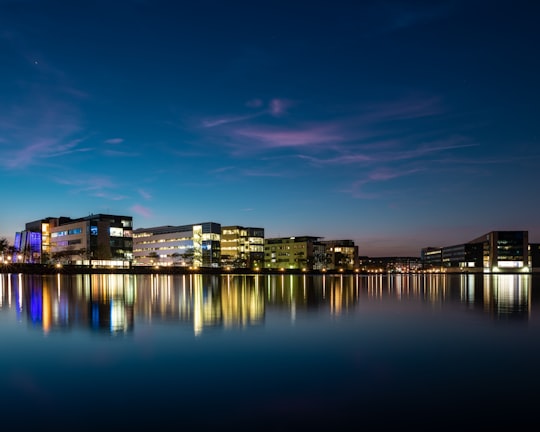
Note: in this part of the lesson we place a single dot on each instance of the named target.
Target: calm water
(268, 352)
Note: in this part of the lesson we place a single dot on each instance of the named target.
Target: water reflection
(113, 302)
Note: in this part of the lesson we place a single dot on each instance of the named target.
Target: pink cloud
(382, 174)
(41, 128)
(275, 138)
(114, 141)
(141, 211)
(278, 107)
(404, 109)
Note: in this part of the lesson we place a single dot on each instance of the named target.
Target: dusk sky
(397, 124)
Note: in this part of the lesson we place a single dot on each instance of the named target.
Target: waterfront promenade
(15, 268)
(84, 269)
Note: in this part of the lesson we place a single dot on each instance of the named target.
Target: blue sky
(398, 124)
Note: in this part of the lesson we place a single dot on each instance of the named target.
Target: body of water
(281, 352)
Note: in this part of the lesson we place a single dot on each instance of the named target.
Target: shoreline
(44, 269)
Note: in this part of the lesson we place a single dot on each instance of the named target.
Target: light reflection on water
(284, 351)
(111, 302)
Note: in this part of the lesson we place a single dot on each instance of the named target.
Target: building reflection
(507, 296)
(203, 301)
(111, 303)
(111, 300)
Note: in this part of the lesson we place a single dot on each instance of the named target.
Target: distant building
(492, 252)
(392, 264)
(242, 247)
(534, 256)
(341, 254)
(294, 253)
(99, 239)
(197, 245)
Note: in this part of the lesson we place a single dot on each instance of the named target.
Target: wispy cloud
(380, 174)
(407, 108)
(141, 210)
(278, 107)
(210, 123)
(114, 141)
(44, 121)
(92, 185)
(280, 137)
(119, 153)
(145, 194)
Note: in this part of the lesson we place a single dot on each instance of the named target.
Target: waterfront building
(242, 247)
(391, 264)
(491, 252)
(33, 244)
(304, 252)
(197, 245)
(431, 257)
(341, 254)
(97, 239)
(534, 257)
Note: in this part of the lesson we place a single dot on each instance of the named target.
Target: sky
(397, 124)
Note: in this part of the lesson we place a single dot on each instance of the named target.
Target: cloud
(210, 123)
(141, 211)
(385, 173)
(280, 137)
(339, 160)
(278, 107)
(92, 185)
(118, 153)
(402, 109)
(146, 195)
(114, 141)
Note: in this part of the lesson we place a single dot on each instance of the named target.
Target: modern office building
(304, 252)
(33, 244)
(390, 264)
(341, 254)
(97, 239)
(197, 245)
(242, 247)
(493, 252)
(534, 256)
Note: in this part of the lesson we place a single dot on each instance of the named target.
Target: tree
(176, 257)
(189, 256)
(4, 247)
(154, 257)
(4, 244)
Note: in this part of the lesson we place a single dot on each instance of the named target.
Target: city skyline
(398, 125)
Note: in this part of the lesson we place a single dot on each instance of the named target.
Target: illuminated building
(34, 243)
(242, 247)
(341, 254)
(197, 245)
(493, 252)
(294, 253)
(98, 240)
